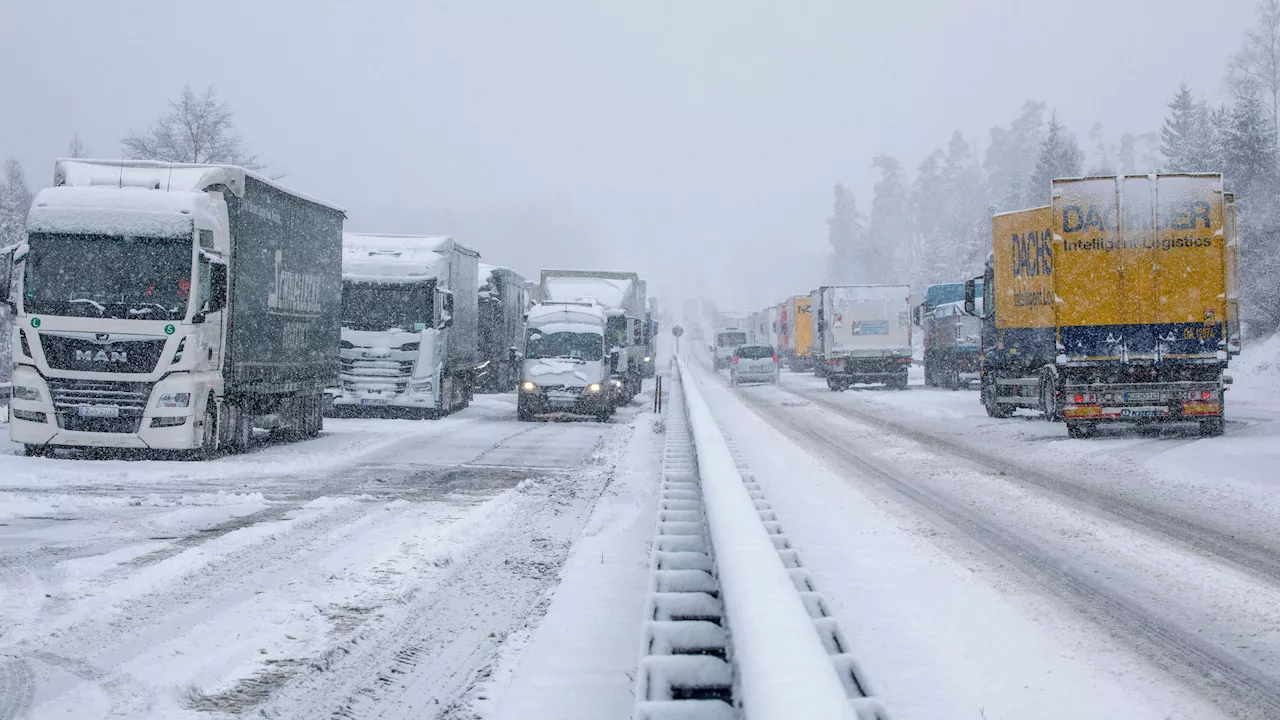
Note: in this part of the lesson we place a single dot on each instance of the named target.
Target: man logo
(102, 337)
(101, 356)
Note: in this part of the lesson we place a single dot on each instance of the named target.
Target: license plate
(1139, 412)
(98, 411)
(561, 398)
(1141, 396)
(374, 401)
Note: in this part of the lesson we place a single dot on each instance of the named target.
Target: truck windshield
(387, 306)
(116, 276)
(730, 339)
(564, 345)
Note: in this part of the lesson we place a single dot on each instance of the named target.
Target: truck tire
(994, 409)
(833, 386)
(208, 433)
(901, 382)
(603, 416)
(1080, 430)
(928, 373)
(1050, 403)
(951, 376)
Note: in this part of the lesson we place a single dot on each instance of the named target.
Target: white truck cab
(566, 363)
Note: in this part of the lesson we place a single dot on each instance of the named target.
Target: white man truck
(174, 307)
(409, 324)
(566, 362)
(622, 294)
(862, 334)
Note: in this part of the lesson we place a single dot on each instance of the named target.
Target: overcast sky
(603, 133)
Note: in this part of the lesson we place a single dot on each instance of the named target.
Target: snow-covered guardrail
(784, 671)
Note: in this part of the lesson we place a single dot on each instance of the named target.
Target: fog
(603, 134)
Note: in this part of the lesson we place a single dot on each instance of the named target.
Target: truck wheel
(833, 386)
(208, 433)
(993, 408)
(524, 414)
(1080, 430)
(901, 382)
(1213, 427)
(1049, 400)
(243, 431)
(928, 374)
(953, 377)
(603, 416)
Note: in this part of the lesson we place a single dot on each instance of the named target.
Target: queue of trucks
(164, 306)
(1119, 301)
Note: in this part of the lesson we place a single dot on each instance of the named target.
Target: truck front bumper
(867, 369)
(417, 394)
(88, 423)
(573, 402)
(1143, 402)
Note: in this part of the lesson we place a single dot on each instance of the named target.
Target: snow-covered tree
(1127, 156)
(889, 232)
(846, 229)
(1257, 64)
(198, 129)
(1250, 168)
(15, 201)
(1011, 158)
(965, 209)
(1102, 162)
(1060, 156)
(1189, 139)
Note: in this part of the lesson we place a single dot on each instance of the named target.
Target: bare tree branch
(198, 129)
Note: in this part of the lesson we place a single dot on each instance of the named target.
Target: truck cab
(566, 368)
(399, 324)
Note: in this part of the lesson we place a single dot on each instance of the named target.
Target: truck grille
(129, 398)
(379, 374)
(130, 356)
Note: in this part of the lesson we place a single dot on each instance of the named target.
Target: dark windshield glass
(379, 306)
(565, 345)
(755, 352)
(616, 327)
(117, 276)
(730, 339)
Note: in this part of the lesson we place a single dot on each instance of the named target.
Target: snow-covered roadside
(580, 660)
(940, 633)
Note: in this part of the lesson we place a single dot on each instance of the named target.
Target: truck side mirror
(217, 287)
(915, 315)
(970, 299)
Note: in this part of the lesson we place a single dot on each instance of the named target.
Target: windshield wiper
(97, 305)
(149, 307)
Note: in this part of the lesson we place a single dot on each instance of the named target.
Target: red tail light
(1205, 394)
(735, 359)
(1079, 398)
(775, 359)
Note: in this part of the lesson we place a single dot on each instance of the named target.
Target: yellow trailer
(1140, 298)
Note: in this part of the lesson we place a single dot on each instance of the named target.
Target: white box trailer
(862, 334)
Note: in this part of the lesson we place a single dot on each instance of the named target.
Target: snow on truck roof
(119, 211)
(567, 313)
(165, 176)
(393, 258)
(610, 292)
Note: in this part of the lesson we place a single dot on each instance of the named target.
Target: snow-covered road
(996, 567)
(372, 572)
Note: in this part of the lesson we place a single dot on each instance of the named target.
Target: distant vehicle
(566, 362)
(863, 334)
(172, 306)
(951, 336)
(622, 294)
(726, 340)
(410, 319)
(1018, 360)
(503, 302)
(754, 363)
(650, 366)
(796, 341)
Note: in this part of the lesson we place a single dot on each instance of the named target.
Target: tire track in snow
(1242, 689)
(17, 688)
(1257, 559)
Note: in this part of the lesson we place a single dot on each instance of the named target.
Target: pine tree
(1249, 163)
(928, 222)
(15, 201)
(1128, 154)
(1177, 136)
(1059, 157)
(1011, 158)
(1101, 163)
(846, 229)
(965, 210)
(889, 233)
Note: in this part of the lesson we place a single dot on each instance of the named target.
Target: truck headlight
(648, 359)
(423, 387)
(173, 400)
(593, 388)
(528, 386)
(617, 383)
(22, 392)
